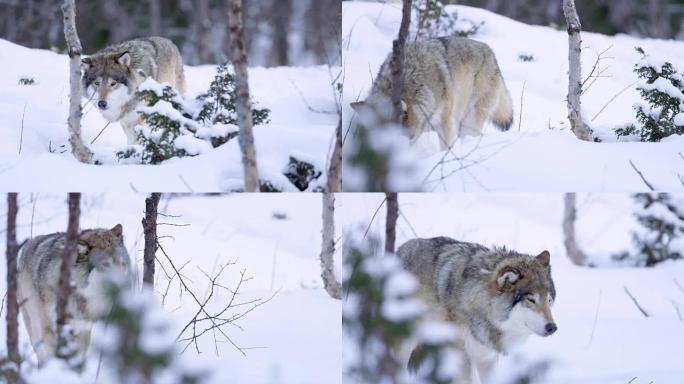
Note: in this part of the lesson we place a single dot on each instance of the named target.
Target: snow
(539, 153)
(35, 138)
(602, 338)
(299, 325)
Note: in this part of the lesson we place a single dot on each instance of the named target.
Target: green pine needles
(663, 91)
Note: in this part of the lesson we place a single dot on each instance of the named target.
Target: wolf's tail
(502, 116)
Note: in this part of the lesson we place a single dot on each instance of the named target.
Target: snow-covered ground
(34, 131)
(602, 337)
(295, 338)
(539, 153)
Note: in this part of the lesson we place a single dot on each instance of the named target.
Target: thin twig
(678, 285)
(612, 99)
(102, 130)
(642, 176)
(636, 303)
(522, 97)
(21, 135)
(593, 327)
(676, 307)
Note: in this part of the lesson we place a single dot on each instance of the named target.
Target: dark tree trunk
(280, 47)
(397, 62)
(155, 18)
(244, 111)
(149, 223)
(64, 340)
(391, 221)
(12, 305)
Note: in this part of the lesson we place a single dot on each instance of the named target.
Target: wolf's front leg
(485, 367)
(129, 131)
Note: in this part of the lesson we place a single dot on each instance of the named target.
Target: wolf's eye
(97, 83)
(113, 83)
(531, 300)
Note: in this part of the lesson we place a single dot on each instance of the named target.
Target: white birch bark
(332, 286)
(335, 168)
(244, 111)
(80, 151)
(569, 216)
(577, 125)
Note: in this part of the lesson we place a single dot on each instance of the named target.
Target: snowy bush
(383, 316)
(138, 346)
(377, 155)
(173, 127)
(302, 173)
(217, 105)
(662, 237)
(435, 20)
(663, 91)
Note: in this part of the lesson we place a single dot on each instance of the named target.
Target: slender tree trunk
(332, 286)
(577, 125)
(149, 223)
(80, 151)
(204, 48)
(280, 47)
(12, 305)
(244, 110)
(335, 168)
(391, 221)
(570, 215)
(155, 18)
(397, 63)
(65, 343)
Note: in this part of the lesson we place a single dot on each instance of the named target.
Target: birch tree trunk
(335, 169)
(577, 125)
(65, 343)
(244, 111)
(397, 62)
(149, 223)
(80, 151)
(12, 305)
(332, 286)
(391, 221)
(569, 216)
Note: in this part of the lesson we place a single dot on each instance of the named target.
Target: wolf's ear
(357, 105)
(117, 230)
(124, 59)
(507, 278)
(86, 63)
(404, 106)
(543, 258)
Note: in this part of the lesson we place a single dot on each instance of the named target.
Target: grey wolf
(453, 79)
(112, 76)
(100, 251)
(496, 297)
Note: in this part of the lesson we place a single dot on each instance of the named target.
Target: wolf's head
(526, 284)
(110, 81)
(380, 107)
(103, 249)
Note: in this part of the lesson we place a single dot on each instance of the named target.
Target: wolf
(112, 76)
(455, 79)
(494, 296)
(100, 252)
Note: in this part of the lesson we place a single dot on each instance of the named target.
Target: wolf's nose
(550, 328)
(102, 104)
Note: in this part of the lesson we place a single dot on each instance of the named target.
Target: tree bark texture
(80, 151)
(149, 223)
(391, 221)
(397, 62)
(332, 286)
(570, 238)
(244, 110)
(12, 305)
(65, 285)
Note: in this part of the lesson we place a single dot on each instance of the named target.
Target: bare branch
(636, 303)
(641, 175)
